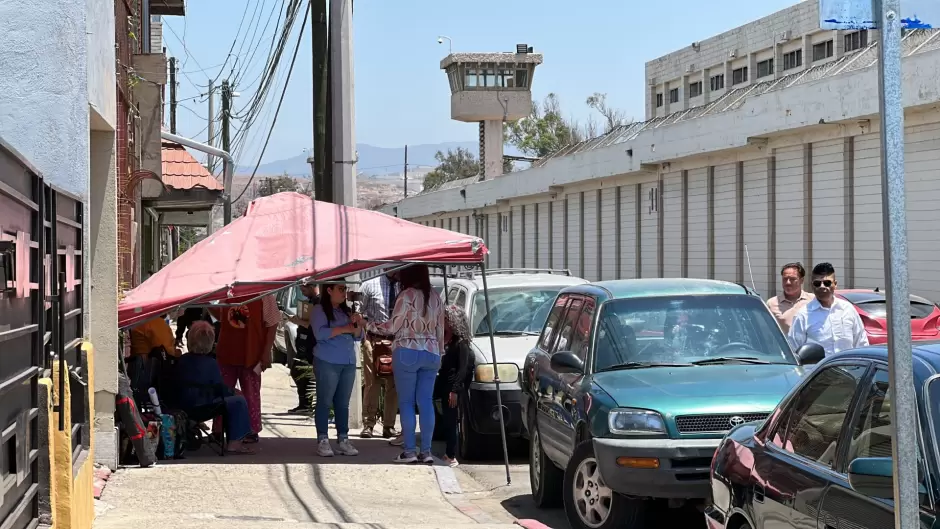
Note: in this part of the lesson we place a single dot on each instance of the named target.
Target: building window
(739, 76)
(505, 78)
(765, 68)
(674, 95)
(856, 41)
(695, 89)
(659, 100)
(717, 82)
(488, 76)
(471, 79)
(522, 78)
(793, 59)
(821, 51)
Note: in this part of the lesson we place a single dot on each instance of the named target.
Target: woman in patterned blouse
(417, 322)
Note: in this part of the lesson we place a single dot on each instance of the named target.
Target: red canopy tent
(287, 237)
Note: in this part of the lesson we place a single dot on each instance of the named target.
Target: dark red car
(873, 308)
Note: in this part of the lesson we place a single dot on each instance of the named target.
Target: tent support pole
(445, 283)
(499, 399)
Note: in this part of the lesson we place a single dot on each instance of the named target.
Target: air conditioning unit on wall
(785, 36)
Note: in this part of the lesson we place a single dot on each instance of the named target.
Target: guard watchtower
(491, 89)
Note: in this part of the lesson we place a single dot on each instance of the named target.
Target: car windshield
(688, 329)
(514, 310)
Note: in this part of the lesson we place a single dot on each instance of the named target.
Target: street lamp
(450, 43)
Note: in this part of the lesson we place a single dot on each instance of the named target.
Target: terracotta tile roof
(182, 171)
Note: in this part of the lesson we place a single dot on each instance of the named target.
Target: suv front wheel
(591, 504)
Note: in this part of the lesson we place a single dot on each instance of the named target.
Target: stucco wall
(44, 88)
(99, 29)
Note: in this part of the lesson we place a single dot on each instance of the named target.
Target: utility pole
(342, 141)
(210, 160)
(226, 111)
(172, 95)
(406, 171)
(319, 157)
(344, 111)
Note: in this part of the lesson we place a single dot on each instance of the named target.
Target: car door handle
(759, 493)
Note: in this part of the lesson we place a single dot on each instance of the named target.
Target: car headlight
(630, 421)
(485, 373)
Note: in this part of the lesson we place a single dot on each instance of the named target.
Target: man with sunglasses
(827, 320)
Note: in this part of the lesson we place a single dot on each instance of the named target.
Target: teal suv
(633, 384)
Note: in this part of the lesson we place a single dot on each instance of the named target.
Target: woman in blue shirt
(334, 357)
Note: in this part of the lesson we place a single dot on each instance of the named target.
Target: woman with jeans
(417, 323)
(454, 376)
(334, 359)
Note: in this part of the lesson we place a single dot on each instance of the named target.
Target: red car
(873, 308)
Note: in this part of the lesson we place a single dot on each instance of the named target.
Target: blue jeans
(415, 372)
(334, 388)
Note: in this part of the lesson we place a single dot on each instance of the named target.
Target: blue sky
(402, 96)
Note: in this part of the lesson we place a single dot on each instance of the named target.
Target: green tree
(276, 184)
(544, 131)
(613, 117)
(454, 165)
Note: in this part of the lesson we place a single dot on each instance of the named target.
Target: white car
(520, 301)
(286, 330)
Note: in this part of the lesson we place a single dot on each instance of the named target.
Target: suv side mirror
(811, 353)
(567, 362)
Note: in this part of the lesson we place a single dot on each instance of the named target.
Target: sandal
(251, 438)
(244, 451)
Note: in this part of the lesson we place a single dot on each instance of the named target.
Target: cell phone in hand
(353, 297)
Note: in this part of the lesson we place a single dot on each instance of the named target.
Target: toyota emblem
(736, 420)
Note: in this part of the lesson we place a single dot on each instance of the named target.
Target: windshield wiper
(643, 365)
(731, 359)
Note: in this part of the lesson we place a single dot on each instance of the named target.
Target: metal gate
(40, 248)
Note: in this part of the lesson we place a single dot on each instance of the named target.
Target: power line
(264, 31)
(189, 55)
(279, 103)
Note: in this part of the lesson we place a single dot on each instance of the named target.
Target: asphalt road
(485, 481)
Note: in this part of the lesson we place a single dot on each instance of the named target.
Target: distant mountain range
(376, 161)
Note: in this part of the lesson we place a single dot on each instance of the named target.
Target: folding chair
(201, 432)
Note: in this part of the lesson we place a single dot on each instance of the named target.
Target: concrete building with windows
(730, 183)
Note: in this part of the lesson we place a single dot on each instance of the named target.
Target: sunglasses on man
(824, 283)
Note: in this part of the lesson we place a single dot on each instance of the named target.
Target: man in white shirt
(827, 320)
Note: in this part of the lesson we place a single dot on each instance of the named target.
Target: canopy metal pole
(499, 399)
(445, 282)
(904, 449)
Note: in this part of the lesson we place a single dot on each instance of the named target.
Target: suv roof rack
(559, 271)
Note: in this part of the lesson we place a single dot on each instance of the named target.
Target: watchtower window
(488, 77)
(522, 78)
(505, 78)
(472, 78)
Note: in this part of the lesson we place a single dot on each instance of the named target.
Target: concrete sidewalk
(285, 482)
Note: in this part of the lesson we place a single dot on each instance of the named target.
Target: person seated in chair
(200, 388)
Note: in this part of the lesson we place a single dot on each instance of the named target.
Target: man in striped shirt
(378, 300)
